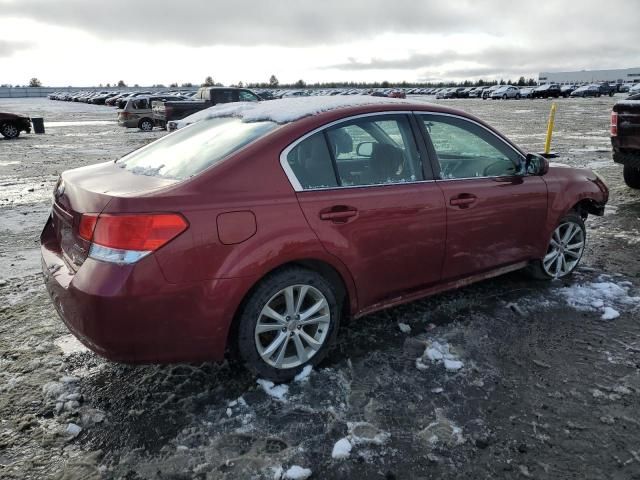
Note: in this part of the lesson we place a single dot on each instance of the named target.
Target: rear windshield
(190, 150)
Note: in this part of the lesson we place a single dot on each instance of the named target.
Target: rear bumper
(130, 313)
(129, 123)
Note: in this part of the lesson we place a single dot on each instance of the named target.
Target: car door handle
(338, 214)
(464, 200)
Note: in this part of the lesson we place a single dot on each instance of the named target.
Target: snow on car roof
(284, 110)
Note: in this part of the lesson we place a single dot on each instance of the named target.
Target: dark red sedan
(263, 225)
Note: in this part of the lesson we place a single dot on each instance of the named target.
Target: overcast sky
(85, 42)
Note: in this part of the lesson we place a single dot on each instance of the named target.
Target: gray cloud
(504, 60)
(248, 22)
(9, 48)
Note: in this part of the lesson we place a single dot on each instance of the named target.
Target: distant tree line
(274, 83)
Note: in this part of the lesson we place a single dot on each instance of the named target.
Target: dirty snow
(283, 110)
(600, 296)
(304, 374)
(341, 449)
(279, 392)
(439, 352)
(404, 328)
(70, 345)
(297, 473)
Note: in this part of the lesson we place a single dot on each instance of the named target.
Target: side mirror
(536, 165)
(364, 149)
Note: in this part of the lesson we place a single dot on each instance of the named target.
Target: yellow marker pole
(552, 118)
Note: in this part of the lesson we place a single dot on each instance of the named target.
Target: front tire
(631, 176)
(9, 130)
(564, 251)
(289, 321)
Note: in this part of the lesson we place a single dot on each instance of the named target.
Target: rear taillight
(614, 124)
(129, 237)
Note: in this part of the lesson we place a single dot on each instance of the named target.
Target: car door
(362, 189)
(495, 215)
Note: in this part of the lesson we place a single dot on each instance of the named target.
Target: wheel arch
(345, 290)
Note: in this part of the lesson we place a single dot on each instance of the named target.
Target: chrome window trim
(294, 180)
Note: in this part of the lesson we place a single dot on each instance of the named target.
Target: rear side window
(190, 150)
(311, 163)
(376, 150)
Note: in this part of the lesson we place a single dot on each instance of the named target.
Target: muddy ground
(546, 387)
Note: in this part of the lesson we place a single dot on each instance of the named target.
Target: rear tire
(564, 251)
(631, 176)
(146, 125)
(517, 96)
(9, 130)
(288, 322)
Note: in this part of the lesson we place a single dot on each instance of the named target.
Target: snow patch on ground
(279, 392)
(341, 449)
(70, 345)
(283, 110)
(439, 352)
(304, 374)
(404, 328)
(297, 473)
(600, 296)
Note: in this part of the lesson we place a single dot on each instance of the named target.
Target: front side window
(467, 150)
(192, 149)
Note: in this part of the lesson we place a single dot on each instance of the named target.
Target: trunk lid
(89, 190)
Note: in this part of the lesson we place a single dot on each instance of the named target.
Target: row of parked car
(146, 110)
(550, 90)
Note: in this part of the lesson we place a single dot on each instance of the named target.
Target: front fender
(569, 187)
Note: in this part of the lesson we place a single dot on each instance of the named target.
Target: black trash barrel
(38, 124)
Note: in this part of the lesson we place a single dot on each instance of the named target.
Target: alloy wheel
(565, 250)
(10, 131)
(292, 326)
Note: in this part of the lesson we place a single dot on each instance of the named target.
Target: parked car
(477, 92)
(397, 94)
(137, 112)
(240, 231)
(547, 90)
(121, 102)
(566, 90)
(486, 93)
(11, 124)
(526, 92)
(607, 89)
(505, 92)
(625, 138)
(167, 111)
(587, 91)
(464, 93)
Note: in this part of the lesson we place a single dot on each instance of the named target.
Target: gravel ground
(533, 383)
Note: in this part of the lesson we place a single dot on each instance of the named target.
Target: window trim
(433, 155)
(295, 183)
